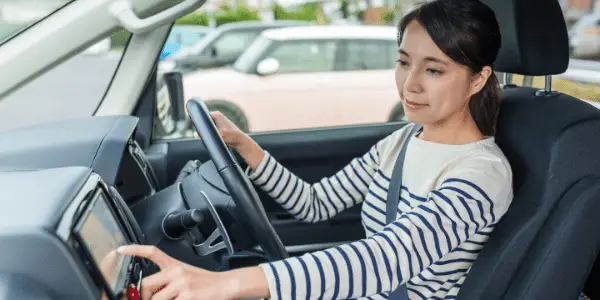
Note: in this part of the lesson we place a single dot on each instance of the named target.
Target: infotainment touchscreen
(101, 235)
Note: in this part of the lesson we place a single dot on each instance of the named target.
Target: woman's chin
(415, 117)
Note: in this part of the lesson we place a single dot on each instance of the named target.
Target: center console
(58, 239)
(96, 235)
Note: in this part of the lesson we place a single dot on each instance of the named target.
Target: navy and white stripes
(448, 207)
(327, 198)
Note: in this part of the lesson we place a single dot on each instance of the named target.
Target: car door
(304, 84)
(330, 82)
(366, 81)
(228, 47)
(219, 48)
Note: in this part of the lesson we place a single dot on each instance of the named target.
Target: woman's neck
(457, 130)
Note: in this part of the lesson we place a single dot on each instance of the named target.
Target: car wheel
(397, 113)
(231, 111)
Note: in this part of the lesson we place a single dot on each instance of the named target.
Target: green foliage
(224, 15)
(193, 19)
(304, 12)
(389, 16)
(119, 39)
(239, 13)
(361, 15)
(344, 8)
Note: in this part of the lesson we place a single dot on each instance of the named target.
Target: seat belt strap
(393, 197)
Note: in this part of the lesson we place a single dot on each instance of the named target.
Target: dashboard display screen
(101, 235)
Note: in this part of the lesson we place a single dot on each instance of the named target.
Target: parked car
(223, 45)
(332, 75)
(181, 37)
(584, 37)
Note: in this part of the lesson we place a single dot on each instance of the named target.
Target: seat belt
(393, 197)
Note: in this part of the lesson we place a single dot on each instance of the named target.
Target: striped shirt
(451, 198)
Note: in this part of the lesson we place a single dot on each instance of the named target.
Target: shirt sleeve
(470, 199)
(324, 199)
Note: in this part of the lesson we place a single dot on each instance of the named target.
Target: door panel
(310, 154)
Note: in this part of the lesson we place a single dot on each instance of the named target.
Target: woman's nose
(412, 83)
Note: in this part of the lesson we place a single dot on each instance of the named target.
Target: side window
(313, 95)
(305, 56)
(234, 43)
(369, 55)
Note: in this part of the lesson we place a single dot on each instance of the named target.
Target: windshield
(17, 15)
(74, 88)
(247, 60)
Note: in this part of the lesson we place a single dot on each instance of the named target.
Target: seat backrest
(545, 245)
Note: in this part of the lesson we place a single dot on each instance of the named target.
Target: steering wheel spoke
(208, 246)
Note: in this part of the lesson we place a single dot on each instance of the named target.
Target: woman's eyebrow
(427, 58)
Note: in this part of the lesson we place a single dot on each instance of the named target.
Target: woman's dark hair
(466, 31)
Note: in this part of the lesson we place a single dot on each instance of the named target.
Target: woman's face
(433, 88)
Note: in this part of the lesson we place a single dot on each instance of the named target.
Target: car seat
(546, 244)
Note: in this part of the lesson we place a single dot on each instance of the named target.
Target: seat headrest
(534, 37)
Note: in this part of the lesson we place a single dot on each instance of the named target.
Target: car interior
(72, 191)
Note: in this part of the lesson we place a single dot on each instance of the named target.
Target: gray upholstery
(546, 244)
(534, 37)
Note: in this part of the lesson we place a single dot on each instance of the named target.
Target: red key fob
(133, 293)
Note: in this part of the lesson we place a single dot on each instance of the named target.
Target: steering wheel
(239, 186)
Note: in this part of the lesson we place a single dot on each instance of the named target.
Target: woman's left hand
(178, 280)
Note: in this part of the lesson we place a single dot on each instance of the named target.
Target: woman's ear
(480, 79)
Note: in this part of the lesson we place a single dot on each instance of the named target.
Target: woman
(457, 184)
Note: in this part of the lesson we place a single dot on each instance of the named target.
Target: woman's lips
(414, 105)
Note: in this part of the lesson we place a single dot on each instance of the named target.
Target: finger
(171, 291)
(155, 282)
(152, 253)
(217, 117)
(216, 114)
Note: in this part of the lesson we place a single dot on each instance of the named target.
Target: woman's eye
(434, 72)
(402, 63)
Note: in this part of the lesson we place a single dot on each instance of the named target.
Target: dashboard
(65, 192)
(60, 227)
(72, 192)
(104, 144)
